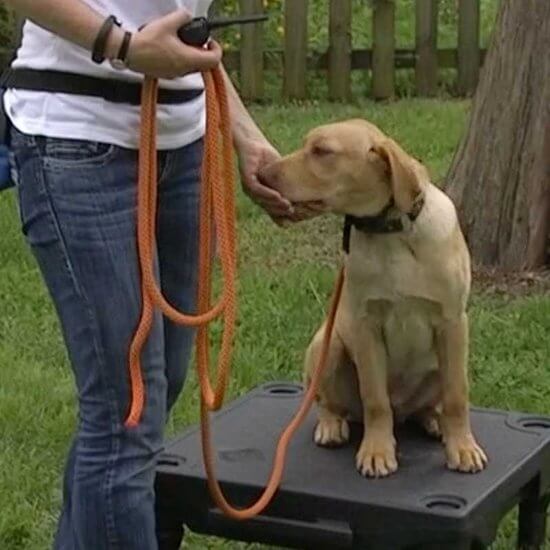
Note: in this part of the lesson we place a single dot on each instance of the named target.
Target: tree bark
(500, 176)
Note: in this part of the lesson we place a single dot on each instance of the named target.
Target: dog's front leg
(376, 456)
(463, 452)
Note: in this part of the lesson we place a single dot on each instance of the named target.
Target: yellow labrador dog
(400, 345)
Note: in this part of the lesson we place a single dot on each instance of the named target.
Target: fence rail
(340, 59)
(251, 60)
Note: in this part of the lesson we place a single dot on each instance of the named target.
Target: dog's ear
(404, 174)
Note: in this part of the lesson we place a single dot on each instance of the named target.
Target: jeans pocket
(67, 153)
(33, 207)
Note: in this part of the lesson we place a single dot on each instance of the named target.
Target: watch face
(118, 64)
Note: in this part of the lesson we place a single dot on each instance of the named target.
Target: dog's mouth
(309, 208)
(318, 206)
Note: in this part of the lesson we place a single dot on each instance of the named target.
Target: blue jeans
(77, 203)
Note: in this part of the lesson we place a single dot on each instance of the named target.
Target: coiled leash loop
(217, 221)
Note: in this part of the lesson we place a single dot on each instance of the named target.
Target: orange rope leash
(217, 220)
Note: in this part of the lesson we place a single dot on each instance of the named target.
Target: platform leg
(464, 544)
(169, 533)
(532, 521)
(170, 529)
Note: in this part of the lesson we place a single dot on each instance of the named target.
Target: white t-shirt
(91, 118)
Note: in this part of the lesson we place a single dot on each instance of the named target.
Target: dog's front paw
(464, 454)
(331, 431)
(376, 457)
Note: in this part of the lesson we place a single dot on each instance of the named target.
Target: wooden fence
(252, 60)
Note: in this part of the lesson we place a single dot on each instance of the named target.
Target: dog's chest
(386, 268)
(390, 288)
(407, 327)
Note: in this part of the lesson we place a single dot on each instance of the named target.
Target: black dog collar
(381, 223)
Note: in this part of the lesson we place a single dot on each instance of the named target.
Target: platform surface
(322, 486)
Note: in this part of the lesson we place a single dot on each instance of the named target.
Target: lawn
(285, 280)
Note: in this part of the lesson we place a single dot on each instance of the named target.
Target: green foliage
(361, 23)
(7, 24)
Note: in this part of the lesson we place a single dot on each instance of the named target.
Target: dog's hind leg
(337, 395)
(430, 420)
(425, 404)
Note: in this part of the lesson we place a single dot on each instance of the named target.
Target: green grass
(285, 279)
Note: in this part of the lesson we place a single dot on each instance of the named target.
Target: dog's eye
(321, 151)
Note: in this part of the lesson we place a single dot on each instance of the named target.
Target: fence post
(295, 71)
(8, 51)
(426, 47)
(339, 60)
(252, 53)
(383, 49)
(213, 10)
(469, 57)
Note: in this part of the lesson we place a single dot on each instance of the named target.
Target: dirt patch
(494, 282)
(319, 242)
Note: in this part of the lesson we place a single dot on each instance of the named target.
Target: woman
(76, 162)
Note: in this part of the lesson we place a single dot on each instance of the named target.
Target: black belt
(116, 91)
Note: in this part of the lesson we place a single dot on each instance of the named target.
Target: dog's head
(351, 167)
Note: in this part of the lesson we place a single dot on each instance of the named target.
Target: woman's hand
(157, 51)
(254, 154)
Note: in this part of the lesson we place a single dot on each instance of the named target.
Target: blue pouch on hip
(5, 169)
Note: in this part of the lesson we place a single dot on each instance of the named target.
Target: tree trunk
(500, 176)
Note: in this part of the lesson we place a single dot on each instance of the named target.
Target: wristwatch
(120, 62)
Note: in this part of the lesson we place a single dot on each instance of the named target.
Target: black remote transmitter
(197, 31)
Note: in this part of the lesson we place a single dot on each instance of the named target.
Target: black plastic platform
(325, 503)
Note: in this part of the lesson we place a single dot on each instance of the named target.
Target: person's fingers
(274, 207)
(214, 47)
(277, 211)
(202, 59)
(176, 19)
(265, 194)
